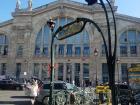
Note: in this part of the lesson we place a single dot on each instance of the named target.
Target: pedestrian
(34, 91)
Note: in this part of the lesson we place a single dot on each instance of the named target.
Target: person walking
(34, 91)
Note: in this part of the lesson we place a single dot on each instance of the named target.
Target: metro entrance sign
(70, 29)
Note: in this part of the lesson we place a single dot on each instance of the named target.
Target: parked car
(62, 91)
(10, 85)
(137, 99)
(123, 93)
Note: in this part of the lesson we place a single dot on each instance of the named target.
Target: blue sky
(131, 7)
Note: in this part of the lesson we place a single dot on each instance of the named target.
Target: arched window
(73, 45)
(129, 42)
(3, 45)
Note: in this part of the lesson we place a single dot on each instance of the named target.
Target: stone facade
(22, 31)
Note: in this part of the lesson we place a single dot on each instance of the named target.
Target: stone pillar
(81, 74)
(40, 70)
(64, 71)
(73, 72)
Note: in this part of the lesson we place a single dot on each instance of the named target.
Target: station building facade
(25, 43)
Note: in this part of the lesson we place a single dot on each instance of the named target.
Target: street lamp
(51, 25)
(118, 61)
(96, 54)
(111, 58)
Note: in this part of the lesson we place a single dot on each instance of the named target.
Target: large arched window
(3, 44)
(129, 43)
(74, 46)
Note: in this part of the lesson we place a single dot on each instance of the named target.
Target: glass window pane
(62, 21)
(86, 51)
(18, 70)
(19, 50)
(45, 51)
(37, 51)
(61, 50)
(77, 51)
(133, 49)
(105, 73)
(103, 50)
(132, 36)
(123, 37)
(3, 68)
(124, 72)
(46, 35)
(60, 71)
(69, 50)
(123, 50)
(36, 70)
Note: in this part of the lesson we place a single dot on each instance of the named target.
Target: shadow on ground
(25, 97)
(15, 102)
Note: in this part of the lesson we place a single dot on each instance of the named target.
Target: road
(13, 98)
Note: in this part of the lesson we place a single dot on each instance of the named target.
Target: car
(62, 91)
(123, 93)
(137, 99)
(10, 85)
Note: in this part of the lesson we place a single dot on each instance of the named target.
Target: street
(13, 98)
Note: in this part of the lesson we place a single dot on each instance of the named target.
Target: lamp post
(51, 25)
(111, 57)
(96, 54)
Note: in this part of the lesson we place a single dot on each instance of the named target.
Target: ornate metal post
(51, 24)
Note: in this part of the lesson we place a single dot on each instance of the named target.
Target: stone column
(64, 71)
(72, 72)
(81, 74)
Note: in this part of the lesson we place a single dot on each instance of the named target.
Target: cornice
(8, 22)
(127, 18)
(83, 8)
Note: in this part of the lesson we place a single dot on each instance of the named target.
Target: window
(103, 50)
(77, 74)
(18, 70)
(61, 50)
(85, 70)
(77, 51)
(3, 69)
(123, 50)
(105, 73)
(37, 50)
(129, 41)
(86, 51)
(124, 72)
(133, 49)
(45, 51)
(19, 50)
(3, 45)
(69, 50)
(43, 38)
(60, 71)
(36, 70)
